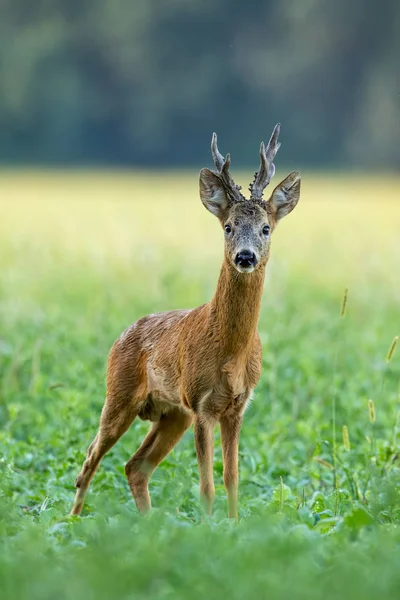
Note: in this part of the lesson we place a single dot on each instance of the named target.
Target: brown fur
(199, 365)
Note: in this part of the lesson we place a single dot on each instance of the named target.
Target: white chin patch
(244, 269)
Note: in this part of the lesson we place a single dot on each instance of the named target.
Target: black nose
(245, 259)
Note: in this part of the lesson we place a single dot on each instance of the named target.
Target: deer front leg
(230, 432)
(204, 440)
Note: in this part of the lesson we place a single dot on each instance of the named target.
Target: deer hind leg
(160, 440)
(230, 431)
(115, 419)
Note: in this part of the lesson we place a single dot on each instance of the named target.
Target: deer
(198, 366)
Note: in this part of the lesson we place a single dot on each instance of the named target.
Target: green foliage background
(75, 272)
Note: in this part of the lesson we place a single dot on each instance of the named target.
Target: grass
(84, 255)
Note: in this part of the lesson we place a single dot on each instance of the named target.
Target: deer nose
(245, 259)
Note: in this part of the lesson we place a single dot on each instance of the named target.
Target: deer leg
(204, 440)
(230, 432)
(160, 440)
(115, 419)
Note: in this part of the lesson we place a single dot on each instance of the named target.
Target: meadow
(83, 255)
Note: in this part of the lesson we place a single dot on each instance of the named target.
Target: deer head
(248, 223)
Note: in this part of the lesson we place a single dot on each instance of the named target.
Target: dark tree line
(145, 82)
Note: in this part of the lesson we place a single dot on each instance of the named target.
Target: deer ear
(286, 195)
(212, 193)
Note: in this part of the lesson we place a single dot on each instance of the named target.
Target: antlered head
(248, 224)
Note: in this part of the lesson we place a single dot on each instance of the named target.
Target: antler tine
(217, 156)
(273, 144)
(223, 165)
(263, 176)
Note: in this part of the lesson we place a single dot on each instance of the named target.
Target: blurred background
(145, 83)
(106, 113)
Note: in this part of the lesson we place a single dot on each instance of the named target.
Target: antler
(263, 176)
(222, 164)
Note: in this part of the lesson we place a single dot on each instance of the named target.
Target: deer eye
(266, 230)
(228, 229)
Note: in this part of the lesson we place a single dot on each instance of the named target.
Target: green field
(84, 255)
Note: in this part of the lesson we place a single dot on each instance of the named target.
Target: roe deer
(198, 365)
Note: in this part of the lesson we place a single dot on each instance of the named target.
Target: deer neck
(235, 307)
